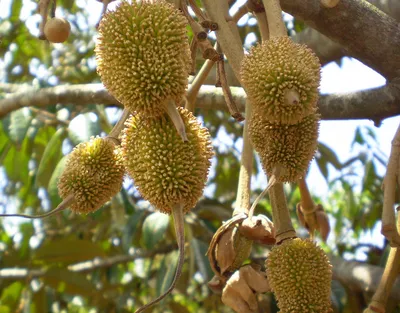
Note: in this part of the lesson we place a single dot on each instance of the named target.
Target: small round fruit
(93, 174)
(57, 30)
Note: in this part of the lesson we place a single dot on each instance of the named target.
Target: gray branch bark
(366, 33)
(374, 104)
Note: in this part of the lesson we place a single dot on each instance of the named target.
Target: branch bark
(366, 33)
(375, 104)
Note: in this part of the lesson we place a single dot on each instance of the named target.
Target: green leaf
(166, 272)
(39, 302)
(51, 155)
(20, 121)
(65, 281)
(323, 167)
(154, 228)
(68, 250)
(10, 296)
(52, 186)
(329, 155)
(131, 228)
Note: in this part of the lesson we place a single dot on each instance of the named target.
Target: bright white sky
(338, 135)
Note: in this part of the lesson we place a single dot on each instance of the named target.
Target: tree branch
(365, 32)
(375, 104)
(87, 266)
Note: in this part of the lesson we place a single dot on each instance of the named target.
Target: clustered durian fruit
(300, 275)
(282, 80)
(165, 169)
(93, 174)
(143, 55)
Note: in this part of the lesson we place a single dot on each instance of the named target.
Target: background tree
(119, 257)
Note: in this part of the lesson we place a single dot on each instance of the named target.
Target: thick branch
(365, 32)
(360, 276)
(375, 104)
(87, 266)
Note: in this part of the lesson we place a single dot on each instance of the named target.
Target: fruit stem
(43, 9)
(274, 16)
(176, 119)
(246, 168)
(179, 223)
(262, 25)
(280, 213)
(62, 206)
(114, 133)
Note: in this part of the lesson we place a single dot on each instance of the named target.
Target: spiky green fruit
(300, 275)
(143, 55)
(282, 80)
(93, 174)
(166, 170)
(286, 148)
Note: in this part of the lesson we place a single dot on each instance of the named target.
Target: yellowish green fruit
(93, 174)
(284, 150)
(166, 170)
(300, 275)
(57, 30)
(282, 80)
(143, 55)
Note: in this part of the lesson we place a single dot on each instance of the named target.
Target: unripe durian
(165, 169)
(93, 174)
(143, 55)
(300, 275)
(282, 80)
(57, 30)
(285, 150)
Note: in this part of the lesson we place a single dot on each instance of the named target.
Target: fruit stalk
(176, 119)
(280, 213)
(62, 206)
(274, 16)
(307, 206)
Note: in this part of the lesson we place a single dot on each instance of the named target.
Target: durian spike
(114, 133)
(62, 206)
(177, 213)
(272, 181)
(176, 119)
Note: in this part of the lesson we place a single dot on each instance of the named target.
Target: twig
(242, 11)
(199, 13)
(262, 25)
(194, 88)
(103, 11)
(391, 272)
(233, 109)
(193, 54)
(43, 9)
(119, 126)
(389, 184)
(198, 31)
(307, 206)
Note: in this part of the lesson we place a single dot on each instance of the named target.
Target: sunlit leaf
(154, 228)
(10, 296)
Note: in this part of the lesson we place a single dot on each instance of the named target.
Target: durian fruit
(143, 55)
(300, 275)
(57, 30)
(282, 79)
(93, 174)
(169, 173)
(285, 150)
(166, 170)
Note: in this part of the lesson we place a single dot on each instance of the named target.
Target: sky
(352, 75)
